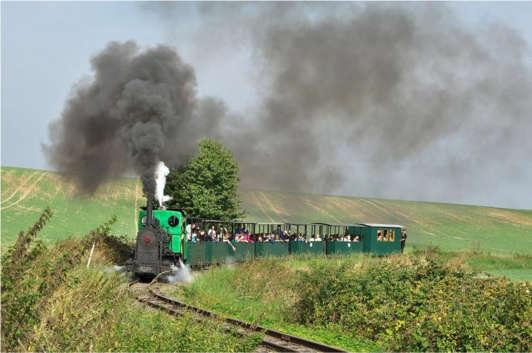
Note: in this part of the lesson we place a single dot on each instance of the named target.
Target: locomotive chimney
(149, 210)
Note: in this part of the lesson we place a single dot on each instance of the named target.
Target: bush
(418, 304)
(31, 273)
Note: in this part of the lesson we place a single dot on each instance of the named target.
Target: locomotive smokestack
(149, 210)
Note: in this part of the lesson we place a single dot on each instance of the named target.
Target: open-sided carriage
(165, 239)
(316, 239)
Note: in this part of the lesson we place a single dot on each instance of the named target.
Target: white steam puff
(183, 273)
(160, 182)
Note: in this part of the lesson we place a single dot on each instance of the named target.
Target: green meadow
(26, 192)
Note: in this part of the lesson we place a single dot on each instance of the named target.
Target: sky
(46, 48)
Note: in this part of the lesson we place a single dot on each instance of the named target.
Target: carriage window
(386, 235)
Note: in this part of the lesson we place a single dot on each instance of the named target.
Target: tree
(207, 186)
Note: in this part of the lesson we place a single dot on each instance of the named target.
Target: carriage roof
(381, 225)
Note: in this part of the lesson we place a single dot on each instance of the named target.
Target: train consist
(162, 240)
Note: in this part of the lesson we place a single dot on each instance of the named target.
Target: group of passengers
(195, 234)
(386, 235)
(347, 237)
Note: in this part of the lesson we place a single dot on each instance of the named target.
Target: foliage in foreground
(52, 302)
(420, 302)
(109, 320)
(31, 273)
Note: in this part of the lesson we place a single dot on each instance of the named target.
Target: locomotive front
(160, 243)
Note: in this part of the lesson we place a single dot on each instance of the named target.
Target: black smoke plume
(394, 100)
(128, 117)
(371, 99)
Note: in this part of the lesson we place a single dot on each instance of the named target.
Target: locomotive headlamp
(143, 220)
(147, 239)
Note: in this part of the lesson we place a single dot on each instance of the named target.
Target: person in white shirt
(188, 229)
(212, 234)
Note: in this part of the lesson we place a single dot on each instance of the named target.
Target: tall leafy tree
(207, 186)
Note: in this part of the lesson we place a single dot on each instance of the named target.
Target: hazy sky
(46, 48)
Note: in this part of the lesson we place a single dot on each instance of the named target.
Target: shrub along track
(273, 341)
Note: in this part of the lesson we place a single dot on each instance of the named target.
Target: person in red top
(247, 238)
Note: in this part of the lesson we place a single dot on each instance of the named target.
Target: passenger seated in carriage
(202, 236)
(188, 229)
(226, 238)
(247, 238)
(244, 237)
(211, 234)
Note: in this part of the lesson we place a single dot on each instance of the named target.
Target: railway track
(273, 341)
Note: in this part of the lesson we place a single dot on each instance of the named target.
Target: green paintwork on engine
(174, 231)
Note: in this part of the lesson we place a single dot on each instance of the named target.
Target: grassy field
(25, 192)
(449, 226)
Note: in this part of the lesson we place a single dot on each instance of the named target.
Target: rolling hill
(26, 192)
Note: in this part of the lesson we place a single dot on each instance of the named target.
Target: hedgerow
(418, 303)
